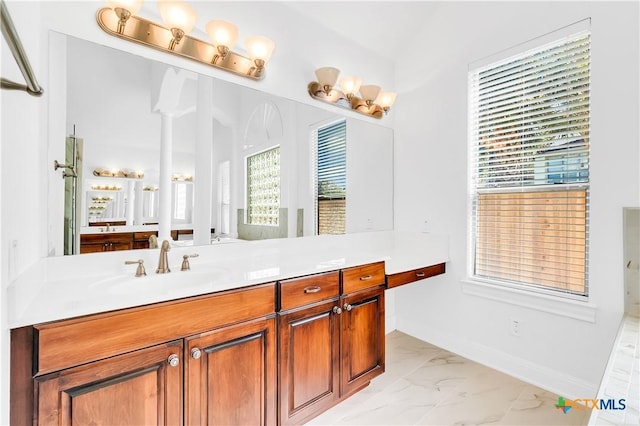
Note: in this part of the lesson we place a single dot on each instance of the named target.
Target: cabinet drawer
(124, 237)
(304, 291)
(144, 235)
(395, 280)
(360, 277)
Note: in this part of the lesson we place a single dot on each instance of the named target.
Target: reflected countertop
(69, 286)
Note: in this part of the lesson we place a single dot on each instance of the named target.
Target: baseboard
(554, 381)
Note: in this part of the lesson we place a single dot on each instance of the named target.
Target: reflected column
(131, 199)
(138, 203)
(202, 185)
(164, 183)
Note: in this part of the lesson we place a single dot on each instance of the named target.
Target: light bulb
(369, 93)
(327, 78)
(350, 86)
(222, 33)
(259, 48)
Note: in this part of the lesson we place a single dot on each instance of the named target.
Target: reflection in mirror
(184, 143)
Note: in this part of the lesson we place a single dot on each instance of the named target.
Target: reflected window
(224, 197)
(331, 178)
(180, 197)
(263, 188)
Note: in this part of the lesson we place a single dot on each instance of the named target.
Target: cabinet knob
(173, 360)
(420, 274)
(196, 353)
(337, 310)
(314, 289)
(347, 307)
(366, 278)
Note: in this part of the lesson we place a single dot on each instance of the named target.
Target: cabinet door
(140, 387)
(230, 375)
(309, 362)
(362, 338)
(93, 247)
(120, 245)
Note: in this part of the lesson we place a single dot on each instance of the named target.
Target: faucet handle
(140, 272)
(185, 261)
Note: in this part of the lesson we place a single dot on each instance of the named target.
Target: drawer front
(395, 280)
(361, 277)
(306, 290)
(144, 235)
(125, 237)
(67, 343)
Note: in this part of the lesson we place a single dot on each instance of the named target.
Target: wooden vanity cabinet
(141, 239)
(331, 339)
(201, 360)
(230, 375)
(309, 330)
(94, 243)
(140, 387)
(407, 277)
(363, 336)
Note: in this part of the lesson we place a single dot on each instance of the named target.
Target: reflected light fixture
(371, 102)
(179, 19)
(118, 173)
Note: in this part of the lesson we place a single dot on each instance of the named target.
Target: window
(331, 178)
(529, 150)
(263, 188)
(224, 198)
(180, 200)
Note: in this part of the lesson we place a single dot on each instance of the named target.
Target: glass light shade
(222, 33)
(327, 76)
(259, 47)
(350, 85)
(176, 14)
(369, 92)
(133, 6)
(386, 99)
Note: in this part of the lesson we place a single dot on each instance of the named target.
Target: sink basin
(173, 282)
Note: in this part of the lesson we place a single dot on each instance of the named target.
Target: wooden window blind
(331, 178)
(529, 150)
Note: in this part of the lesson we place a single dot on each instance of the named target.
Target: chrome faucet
(163, 262)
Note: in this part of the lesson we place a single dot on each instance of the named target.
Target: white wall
(369, 177)
(564, 355)
(23, 175)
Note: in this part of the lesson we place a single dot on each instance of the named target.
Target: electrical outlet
(514, 326)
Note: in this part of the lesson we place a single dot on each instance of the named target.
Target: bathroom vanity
(268, 332)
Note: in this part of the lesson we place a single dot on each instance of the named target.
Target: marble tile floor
(427, 385)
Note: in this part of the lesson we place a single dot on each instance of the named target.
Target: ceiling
(379, 26)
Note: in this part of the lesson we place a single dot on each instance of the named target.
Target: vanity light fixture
(118, 173)
(101, 200)
(181, 178)
(120, 20)
(105, 188)
(371, 102)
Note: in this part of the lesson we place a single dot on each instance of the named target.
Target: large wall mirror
(242, 163)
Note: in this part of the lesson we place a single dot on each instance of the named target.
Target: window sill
(576, 309)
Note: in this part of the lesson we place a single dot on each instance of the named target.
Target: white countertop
(70, 286)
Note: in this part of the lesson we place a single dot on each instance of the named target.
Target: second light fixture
(371, 102)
